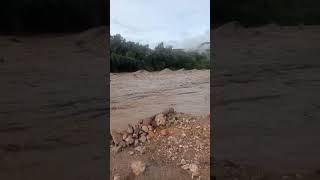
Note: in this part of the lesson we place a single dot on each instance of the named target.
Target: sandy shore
(266, 82)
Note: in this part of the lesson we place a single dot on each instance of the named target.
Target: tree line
(128, 56)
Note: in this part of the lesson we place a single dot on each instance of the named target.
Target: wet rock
(160, 119)
(145, 128)
(138, 167)
(116, 137)
(143, 138)
(130, 129)
(129, 140)
(116, 177)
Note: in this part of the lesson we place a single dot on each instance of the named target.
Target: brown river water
(142, 94)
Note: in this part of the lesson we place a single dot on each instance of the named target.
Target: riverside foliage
(127, 56)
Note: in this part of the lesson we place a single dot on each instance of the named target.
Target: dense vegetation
(127, 56)
(260, 12)
(37, 16)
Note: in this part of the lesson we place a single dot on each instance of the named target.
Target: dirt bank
(179, 148)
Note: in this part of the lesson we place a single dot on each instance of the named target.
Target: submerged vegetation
(127, 56)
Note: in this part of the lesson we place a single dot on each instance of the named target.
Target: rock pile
(141, 132)
(168, 138)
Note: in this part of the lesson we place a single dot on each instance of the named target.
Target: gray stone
(130, 129)
(129, 140)
(137, 130)
(122, 144)
(136, 142)
(160, 119)
(143, 139)
(145, 128)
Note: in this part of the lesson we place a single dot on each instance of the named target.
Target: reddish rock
(164, 132)
(147, 122)
(150, 135)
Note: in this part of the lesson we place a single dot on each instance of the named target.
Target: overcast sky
(180, 23)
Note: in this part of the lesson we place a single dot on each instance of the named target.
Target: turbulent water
(141, 94)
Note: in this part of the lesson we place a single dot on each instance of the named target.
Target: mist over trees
(127, 56)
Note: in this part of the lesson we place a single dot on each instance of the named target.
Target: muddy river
(141, 94)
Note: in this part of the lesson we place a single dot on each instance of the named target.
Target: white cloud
(180, 22)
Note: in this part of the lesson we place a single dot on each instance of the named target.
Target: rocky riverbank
(168, 145)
